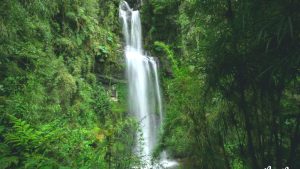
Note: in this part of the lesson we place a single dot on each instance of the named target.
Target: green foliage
(241, 58)
(121, 105)
(230, 75)
(23, 136)
(54, 111)
(161, 47)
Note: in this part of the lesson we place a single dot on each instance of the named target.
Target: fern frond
(8, 162)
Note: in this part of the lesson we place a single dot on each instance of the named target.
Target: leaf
(291, 27)
(2, 129)
(71, 15)
(4, 149)
(7, 162)
(103, 49)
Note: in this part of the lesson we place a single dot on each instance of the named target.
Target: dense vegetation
(229, 72)
(233, 92)
(55, 113)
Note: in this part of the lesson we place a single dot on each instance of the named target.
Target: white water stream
(145, 101)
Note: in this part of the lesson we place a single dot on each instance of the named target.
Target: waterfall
(145, 101)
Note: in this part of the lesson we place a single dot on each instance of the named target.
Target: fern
(6, 162)
(25, 137)
(40, 161)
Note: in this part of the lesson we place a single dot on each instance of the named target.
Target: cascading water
(143, 81)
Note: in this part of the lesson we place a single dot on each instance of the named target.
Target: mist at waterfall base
(144, 91)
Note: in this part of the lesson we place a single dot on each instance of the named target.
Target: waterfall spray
(144, 91)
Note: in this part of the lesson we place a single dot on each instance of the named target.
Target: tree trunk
(221, 142)
(294, 144)
(250, 146)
